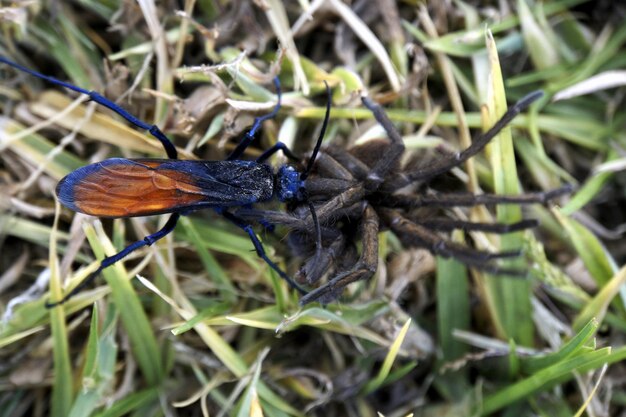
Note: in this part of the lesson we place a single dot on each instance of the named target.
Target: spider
(357, 194)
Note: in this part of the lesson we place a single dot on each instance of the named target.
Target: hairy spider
(356, 194)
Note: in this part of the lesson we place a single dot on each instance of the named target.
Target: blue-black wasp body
(120, 187)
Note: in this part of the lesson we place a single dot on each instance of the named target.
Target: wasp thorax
(289, 186)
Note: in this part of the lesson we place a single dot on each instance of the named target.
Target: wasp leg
(258, 246)
(279, 146)
(110, 260)
(249, 136)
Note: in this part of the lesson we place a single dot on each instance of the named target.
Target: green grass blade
(598, 261)
(453, 312)
(63, 387)
(249, 405)
(134, 319)
(131, 403)
(99, 366)
(541, 380)
(210, 264)
(385, 369)
(598, 306)
(509, 298)
(569, 349)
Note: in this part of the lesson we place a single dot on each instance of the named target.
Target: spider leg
(327, 187)
(316, 266)
(271, 216)
(440, 166)
(412, 234)
(356, 167)
(110, 260)
(328, 166)
(249, 136)
(446, 225)
(333, 178)
(258, 246)
(364, 268)
(467, 199)
(346, 199)
(169, 147)
(391, 156)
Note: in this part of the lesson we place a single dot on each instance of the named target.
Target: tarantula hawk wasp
(120, 187)
(362, 186)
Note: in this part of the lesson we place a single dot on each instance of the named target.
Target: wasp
(121, 188)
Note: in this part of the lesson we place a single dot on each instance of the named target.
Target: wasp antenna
(528, 99)
(318, 144)
(48, 78)
(53, 304)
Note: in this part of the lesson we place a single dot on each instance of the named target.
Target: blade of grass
(231, 359)
(593, 392)
(541, 380)
(34, 148)
(597, 307)
(62, 390)
(589, 189)
(370, 40)
(133, 402)
(537, 38)
(277, 16)
(588, 133)
(211, 266)
(454, 96)
(249, 405)
(70, 49)
(453, 312)
(573, 347)
(134, 318)
(373, 384)
(466, 43)
(598, 261)
(100, 126)
(100, 364)
(30, 231)
(509, 299)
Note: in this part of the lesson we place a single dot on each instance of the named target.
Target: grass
(206, 328)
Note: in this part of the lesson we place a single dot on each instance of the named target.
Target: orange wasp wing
(120, 187)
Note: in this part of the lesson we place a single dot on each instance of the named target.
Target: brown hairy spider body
(357, 194)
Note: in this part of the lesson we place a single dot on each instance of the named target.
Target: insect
(360, 191)
(120, 187)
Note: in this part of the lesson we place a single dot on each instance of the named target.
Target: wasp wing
(141, 187)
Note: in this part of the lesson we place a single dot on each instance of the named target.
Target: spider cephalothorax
(356, 193)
